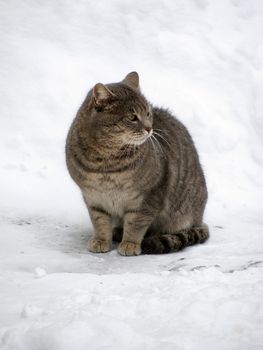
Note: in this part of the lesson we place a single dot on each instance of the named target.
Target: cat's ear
(101, 94)
(132, 80)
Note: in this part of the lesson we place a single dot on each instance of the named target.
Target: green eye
(133, 117)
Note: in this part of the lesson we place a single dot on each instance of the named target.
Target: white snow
(204, 60)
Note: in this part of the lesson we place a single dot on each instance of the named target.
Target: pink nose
(148, 129)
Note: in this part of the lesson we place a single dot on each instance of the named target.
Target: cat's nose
(148, 129)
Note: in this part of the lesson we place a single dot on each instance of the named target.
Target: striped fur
(171, 242)
(136, 166)
(167, 243)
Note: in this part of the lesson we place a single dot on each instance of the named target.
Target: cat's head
(120, 113)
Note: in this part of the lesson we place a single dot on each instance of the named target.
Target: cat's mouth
(140, 139)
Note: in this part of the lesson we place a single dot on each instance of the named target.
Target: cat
(138, 171)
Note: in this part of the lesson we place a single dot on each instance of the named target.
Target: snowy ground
(204, 60)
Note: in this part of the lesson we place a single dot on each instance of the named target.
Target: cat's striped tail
(166, 243)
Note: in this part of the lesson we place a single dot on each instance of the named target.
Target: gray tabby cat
(138, 170)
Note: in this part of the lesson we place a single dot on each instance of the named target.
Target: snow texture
(204, 60)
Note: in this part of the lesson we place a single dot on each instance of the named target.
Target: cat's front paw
(99, 246)
(129, 248)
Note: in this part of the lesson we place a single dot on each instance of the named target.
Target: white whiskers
(161, 136)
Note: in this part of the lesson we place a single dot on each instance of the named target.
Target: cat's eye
(133, 117)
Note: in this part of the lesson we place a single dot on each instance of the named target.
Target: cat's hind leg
(166, 243)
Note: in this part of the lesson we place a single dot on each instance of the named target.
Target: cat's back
(180, 151)
(171, 128)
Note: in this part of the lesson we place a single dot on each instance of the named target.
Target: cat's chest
(115, 193)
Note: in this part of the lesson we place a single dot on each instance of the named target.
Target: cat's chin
(140, 141)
